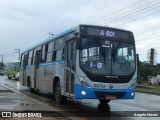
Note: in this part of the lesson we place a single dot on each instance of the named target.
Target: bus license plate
(111, 97)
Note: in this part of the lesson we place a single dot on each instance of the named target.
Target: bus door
(36, 74)
(70, 67)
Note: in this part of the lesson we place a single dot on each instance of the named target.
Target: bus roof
(50, 39)
(69, 31)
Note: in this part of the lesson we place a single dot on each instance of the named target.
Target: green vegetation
(144, 87)
(147, 70)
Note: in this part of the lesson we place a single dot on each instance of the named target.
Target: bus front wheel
(103, 101)
(58, 97)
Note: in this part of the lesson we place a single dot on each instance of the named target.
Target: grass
(148, 88)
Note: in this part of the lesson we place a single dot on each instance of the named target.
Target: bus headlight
(83, 82)
(132, 94)
(83, 92)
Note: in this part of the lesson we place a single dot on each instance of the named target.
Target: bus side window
(25, 63)
(32, 57)
(53, 55)
(63, 55)
(43, 55)
(50, 52)
(59, 55)
(46, 51)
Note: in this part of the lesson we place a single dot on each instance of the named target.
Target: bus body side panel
(47, 73)
(50, 71)
(41, 78)
(56, 70)
(60, 69)
(49, 76)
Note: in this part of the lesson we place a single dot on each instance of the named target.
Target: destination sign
(107, 32)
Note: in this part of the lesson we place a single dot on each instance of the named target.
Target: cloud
(26, 22)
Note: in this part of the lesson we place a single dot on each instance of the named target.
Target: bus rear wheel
(58, 97)
(31, 90)
(103, 101)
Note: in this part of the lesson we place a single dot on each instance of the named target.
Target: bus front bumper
(82, 92)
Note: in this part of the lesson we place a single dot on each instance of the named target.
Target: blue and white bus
(84, 62)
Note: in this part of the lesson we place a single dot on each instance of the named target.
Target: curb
(41, 102)
(5, 89)
(151, 93)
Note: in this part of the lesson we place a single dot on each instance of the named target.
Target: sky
(25, 23)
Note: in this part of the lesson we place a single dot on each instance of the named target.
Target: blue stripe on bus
(90, 92)
(30, 66)
(46, 64)
(52, 63)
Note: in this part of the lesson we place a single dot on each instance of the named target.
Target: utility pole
(2, 56)
(18, 51)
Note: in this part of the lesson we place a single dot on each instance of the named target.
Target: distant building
(154, 80)
(152, 56)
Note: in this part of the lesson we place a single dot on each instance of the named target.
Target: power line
(120, 11)
(138, 18)
(135, 13)
(116, 11)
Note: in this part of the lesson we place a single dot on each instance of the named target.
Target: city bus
(84, 62)
(12, 69)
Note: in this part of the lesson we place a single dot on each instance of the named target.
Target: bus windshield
(106, 57)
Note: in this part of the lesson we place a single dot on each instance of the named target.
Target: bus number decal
(99, 85)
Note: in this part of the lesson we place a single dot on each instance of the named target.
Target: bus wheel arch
(57, 91)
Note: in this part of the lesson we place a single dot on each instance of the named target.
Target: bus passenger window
(46, 51)
(59, 55)
(43, 54)
(53, 55)
(63, 56)
(49, 57)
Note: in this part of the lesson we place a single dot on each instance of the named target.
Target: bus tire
(31, 90)
(57, 94)
(103, 101)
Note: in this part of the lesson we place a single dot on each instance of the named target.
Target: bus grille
(109, 80)
(102, 95)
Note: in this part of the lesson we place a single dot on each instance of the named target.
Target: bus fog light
(132, 94)
(83, 92)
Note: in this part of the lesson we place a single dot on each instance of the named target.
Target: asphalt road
(145, 105)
